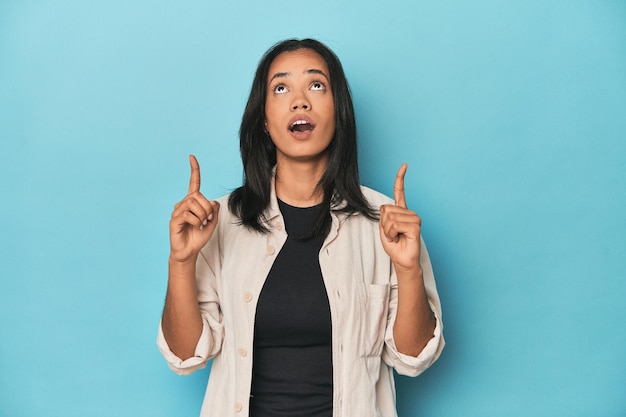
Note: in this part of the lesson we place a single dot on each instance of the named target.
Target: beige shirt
(362, 292)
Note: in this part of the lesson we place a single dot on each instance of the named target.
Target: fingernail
(210, 217)
(201, 227)
(205, 222)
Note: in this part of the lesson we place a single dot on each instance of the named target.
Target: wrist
(183, 267)
(182, 256)
(409, 273)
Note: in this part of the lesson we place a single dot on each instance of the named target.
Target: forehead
(297, 62)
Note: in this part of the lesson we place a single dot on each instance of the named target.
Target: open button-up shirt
(363, 295)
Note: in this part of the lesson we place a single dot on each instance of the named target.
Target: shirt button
(270, 250)
(237, 407)
(247, 297)
(242, 352)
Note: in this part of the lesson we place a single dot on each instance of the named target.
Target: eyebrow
(309, 71)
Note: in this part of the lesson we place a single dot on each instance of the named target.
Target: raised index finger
(194, 180)
(398, 187)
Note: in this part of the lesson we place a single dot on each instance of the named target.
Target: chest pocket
(374, 308)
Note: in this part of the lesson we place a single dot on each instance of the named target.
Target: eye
(280, 89)
(318, 86)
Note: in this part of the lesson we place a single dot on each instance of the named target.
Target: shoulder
(223, 200)
(226, 217)
(375, 198)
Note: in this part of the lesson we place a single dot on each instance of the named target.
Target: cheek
(330, 106)
(269, 115)
(330, 113)
(329, 129)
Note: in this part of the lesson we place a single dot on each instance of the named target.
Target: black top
(292, 372)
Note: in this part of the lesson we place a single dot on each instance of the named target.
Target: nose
(300, 101)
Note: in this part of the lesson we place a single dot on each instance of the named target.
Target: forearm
(181, 321)
(415, 321)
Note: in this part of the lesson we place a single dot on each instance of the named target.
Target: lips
(301, 124)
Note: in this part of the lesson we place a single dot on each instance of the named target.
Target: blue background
(511, 115)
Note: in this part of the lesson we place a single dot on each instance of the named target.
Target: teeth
(294, 126)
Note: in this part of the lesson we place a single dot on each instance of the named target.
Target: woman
(305, 300)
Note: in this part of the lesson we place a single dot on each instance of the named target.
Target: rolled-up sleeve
(211, 338)
(192, 364)
(415, 365)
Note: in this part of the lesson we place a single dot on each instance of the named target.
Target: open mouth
(301, 126)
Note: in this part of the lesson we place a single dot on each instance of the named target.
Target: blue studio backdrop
(511, 115)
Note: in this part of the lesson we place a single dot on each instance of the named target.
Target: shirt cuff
(192, 364)
(415, 365)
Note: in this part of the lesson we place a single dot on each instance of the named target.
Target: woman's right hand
(193, 220)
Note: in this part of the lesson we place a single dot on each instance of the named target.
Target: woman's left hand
(400, 229)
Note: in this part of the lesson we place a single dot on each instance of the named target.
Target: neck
(297, 184)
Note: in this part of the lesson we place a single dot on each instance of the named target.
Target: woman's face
(299, 106)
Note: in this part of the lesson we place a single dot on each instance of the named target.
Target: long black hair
(340, 181)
